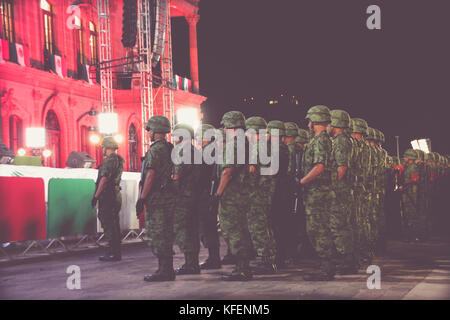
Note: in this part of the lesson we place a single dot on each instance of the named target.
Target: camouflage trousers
(412, 218)
(342, 221)
(186, 225)
(317, 202)
(233, 208)
(108, 214)
(365, 225)
(260, 200)
(209, 234)
(159, 222)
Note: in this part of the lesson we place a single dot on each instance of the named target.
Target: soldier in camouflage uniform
(208, 216)
(260, 201)
(159, 197)
(109, 198)
(233, 195)
(422, 187)
(362, 191)
(342, 210)
(318, 196)
(373, 190)
(410, 197)
(185, 180)
(280, 197)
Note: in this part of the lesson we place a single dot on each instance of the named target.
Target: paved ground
(409, 271)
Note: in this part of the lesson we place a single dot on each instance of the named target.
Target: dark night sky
(396, 78)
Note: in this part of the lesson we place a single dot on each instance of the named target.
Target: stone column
(192, 21)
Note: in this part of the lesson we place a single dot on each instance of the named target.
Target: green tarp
(69, 207)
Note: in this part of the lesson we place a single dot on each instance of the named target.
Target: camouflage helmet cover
(340, 119)
(318, 113)
(233, 119)
(291, 129)
(158, 124)
(255, 123)
(110, 143)
(411, 154)
(276, 124)
(359, 126)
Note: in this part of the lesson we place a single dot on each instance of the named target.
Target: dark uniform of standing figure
(316, 166)
(233, 197)
(185, 180)
(159, 198)
(208, 183)
(260, 200)
(410, 197)
(279, 207)
(342, 210)
(292, 218)
(109, 198)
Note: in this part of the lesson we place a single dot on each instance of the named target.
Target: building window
(53, 140)
(15, 133)
(93, 43)
(79, 46)
(133, 152)
(49, 44)
(7, 20)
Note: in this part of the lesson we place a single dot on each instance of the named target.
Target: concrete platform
(408, 271)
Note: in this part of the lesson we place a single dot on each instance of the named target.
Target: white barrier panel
(129, 185)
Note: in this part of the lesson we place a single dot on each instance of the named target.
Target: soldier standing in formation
(341, 170)
(109, 198)
(158, 198)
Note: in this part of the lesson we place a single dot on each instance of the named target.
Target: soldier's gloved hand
(139, 207)
(94, 201)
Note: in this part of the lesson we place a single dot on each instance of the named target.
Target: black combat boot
(213, 260)
(165, 271)
(191, 265)
(110, 256)
(325, 273)
(267, 266)
(241, 273)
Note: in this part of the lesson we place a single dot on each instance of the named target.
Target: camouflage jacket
(318, 151)
(341, 157)
(111, 168)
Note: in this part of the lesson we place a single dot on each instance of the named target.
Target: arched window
(133, 152)
(15, 133)
(53, 140)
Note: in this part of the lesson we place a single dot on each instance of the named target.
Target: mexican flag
(176, 81)
(23, 57)
(58, 65)
(4, 50)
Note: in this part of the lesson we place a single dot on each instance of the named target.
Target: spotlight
(118, 138)
(21, 152)
(35, 137)
(47, 153)
(94, 138)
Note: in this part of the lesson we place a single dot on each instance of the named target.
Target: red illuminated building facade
(45, 82)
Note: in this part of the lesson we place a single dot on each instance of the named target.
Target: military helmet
(340, 119)
(303, 136)
(377, 135)
(202, 129)
(318, 114)
(383, 139)
(291, 129)
(255, 123)
(183, 126)
(233, 119)
(370, 133)
(411, 154)
(276, 124)
(158, 124)
(421, 155)
(110, 143)
(359, 126)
